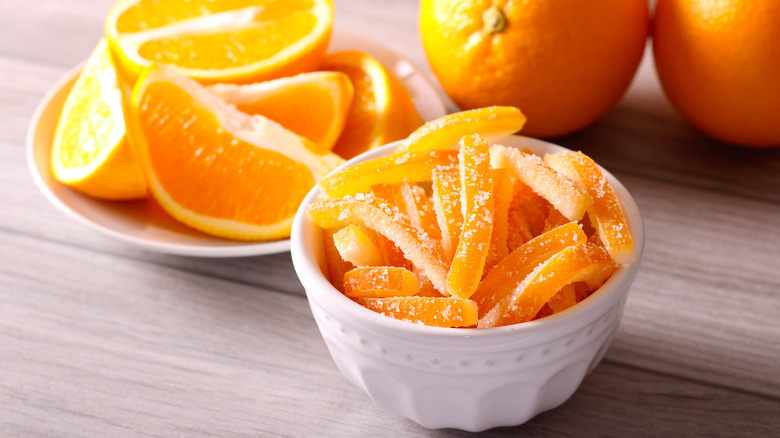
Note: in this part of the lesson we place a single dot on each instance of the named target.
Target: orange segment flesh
(531, 170)
(379, 282)
(371, 212)
(583, 262)
(432, 311)
(445, 132)
(605, 213)
(221, 40)
(336, 265)
(313, 105)
(412, 166)
(477, 205)
(510, 271)
(446, 204)
(215, 168)
(90, 151)
(382, 110)
(357, 247)
(502, 198)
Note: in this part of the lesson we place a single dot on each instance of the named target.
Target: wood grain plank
(140, 350)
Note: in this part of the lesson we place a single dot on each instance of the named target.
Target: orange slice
(215, 168)
(313, 105)
(382, 110)
(531, 170)
(90, 152)
(357, 247)
(511, 270)
(237, 41)
(502, 198)
(477, 204)
(584, 262)
(445, 132)
(413, 166)
(605, 214)
(336, 265)
(379, 282)
(371, 212)
(432, 311)
(446, 204)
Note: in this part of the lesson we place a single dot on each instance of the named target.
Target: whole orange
(564, 63)
(719, 63)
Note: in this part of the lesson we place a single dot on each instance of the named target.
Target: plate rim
(230, 248)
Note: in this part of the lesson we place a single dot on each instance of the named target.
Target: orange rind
(477, 204)
(510, 271)
(445, 132)
(413, 166)
(561, 192)
(380, 282)
(446, 204)
(583, 262)
(368, 211)
(605, 214)
(357, 247)
(431, 311)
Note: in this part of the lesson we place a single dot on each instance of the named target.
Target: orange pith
(171, 147)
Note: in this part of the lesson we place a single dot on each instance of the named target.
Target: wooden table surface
(98, 338)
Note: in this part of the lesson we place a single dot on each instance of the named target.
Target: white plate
(144, 223)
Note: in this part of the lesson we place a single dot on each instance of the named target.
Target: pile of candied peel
(449, 231)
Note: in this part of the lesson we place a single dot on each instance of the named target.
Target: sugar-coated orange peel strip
(357, 247)
(584, 262)
(445, 132)
(380, 282)
(502, 198)
(510, 272)
(336, 265)
(605, 214)
(414, 166)
(561, 192)
(446, 204)
(477, 205)
(368, 211)
(419, 209)
(563, 299)
(432, 311)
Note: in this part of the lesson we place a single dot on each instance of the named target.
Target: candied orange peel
(380, 282)
(482, 236)
(605, 214)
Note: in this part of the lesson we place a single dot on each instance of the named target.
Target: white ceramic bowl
(471, 379)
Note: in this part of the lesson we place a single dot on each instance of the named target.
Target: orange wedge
(314, 105)
(413, 166)
(212, 41)
(563, 194)
(511, 270)
(446, 204)
(605, 214)
(90, 152)
(477, 204)
(379, 282)
(357, 247)
(445, 132)
(432, 311)
(583, 262)
(368, 211)
(215, 168)
(382, 110)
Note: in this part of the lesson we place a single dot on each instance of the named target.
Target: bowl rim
(319, 289)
